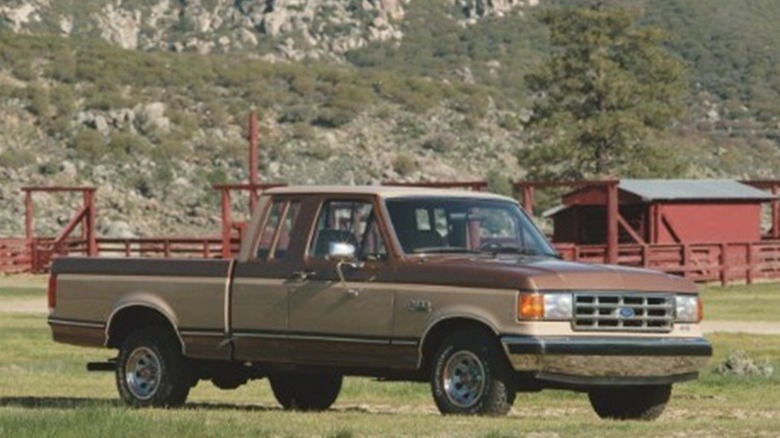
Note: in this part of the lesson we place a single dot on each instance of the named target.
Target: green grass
(758, 302)
(22, 286)
(46, 391)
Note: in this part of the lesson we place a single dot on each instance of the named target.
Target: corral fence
(20, 255)
(703, 262)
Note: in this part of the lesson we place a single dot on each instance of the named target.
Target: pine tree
(607, 90)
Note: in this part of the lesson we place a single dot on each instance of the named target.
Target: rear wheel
(306, 391)
(631, 402)
(151, 370)
(471, 376)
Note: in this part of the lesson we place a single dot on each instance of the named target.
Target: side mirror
(344, 255)
(341, 251)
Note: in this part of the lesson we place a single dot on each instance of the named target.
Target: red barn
(663, 211)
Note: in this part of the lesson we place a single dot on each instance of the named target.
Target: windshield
(452, 225)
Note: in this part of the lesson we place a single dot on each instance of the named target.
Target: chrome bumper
(600, 361)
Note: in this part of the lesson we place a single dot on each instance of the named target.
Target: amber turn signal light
(530, 306)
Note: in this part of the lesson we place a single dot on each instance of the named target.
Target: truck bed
(90, 292)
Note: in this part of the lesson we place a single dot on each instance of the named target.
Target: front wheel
(630, 403)
(151, 370)
(471, 376)
(306, 391)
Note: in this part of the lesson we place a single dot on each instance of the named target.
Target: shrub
(217, 176)
(39, 102)
(303, 131)
(24, 71)
(107, 99)
(439, 143)
(63, 99)
(296, 114)
(333, 117)
(738, 363)
(63, 66)
(122, 143)
(89, 145)
(499, 183)
(404, 165)
(319, 151)
(16, 159)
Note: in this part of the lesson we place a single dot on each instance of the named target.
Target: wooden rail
(702, 262)
(21, 255)
(717, 261)
(15, 255)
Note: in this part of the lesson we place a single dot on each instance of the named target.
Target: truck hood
(543, 273)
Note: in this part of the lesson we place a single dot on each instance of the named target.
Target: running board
(109, 365)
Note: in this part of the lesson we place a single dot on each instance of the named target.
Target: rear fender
(145, 300)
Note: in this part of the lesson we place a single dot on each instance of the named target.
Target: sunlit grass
(45, 390)
(758, 302)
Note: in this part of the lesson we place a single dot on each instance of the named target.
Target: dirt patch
(754, 327)
(23, 280)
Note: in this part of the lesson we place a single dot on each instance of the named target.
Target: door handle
(303, 275)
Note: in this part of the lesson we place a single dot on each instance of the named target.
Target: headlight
(553, 306)
(688, 308)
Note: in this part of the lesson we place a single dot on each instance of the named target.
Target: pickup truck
(458, 289)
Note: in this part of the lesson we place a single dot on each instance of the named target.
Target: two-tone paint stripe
(302, 336)
(77, 323)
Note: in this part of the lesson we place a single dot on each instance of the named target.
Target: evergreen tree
(606, 92)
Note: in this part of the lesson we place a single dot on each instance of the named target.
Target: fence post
(645, 255)
(89, 222)
(686, 259)
(723, 265)
(528, 199)
(227, 225)
(749, 259)
(612, 221)
(33, 256)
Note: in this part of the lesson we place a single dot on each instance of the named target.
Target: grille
(623, 312)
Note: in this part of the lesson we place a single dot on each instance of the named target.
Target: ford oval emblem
(627, 312)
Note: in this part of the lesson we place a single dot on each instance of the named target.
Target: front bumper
(608, 361)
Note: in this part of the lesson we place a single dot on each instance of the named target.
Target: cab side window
(350, 222)
(275, 234)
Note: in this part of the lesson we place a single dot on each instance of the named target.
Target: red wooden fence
(20, 255)
(723, 262)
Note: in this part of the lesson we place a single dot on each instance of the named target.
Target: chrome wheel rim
(142, 373)
(464, 379)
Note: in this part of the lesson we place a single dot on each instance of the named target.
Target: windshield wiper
(442, 249)
(497, 248)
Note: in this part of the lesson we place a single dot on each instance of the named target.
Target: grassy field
(759, 302)
(45, 391)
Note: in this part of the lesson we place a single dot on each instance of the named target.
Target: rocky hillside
(147, 99)
(276, 29)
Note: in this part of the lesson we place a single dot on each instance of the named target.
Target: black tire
(151, 370)
(471, 376)
(644, 403)
(306, 391)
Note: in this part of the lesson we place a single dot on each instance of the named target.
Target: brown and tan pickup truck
(458, 289)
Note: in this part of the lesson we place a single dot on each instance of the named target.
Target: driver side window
(350, 222)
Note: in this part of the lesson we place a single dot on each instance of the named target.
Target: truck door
(343, 323)
(258, 299)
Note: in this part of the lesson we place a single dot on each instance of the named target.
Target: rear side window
(275, 235)
(286, 227)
